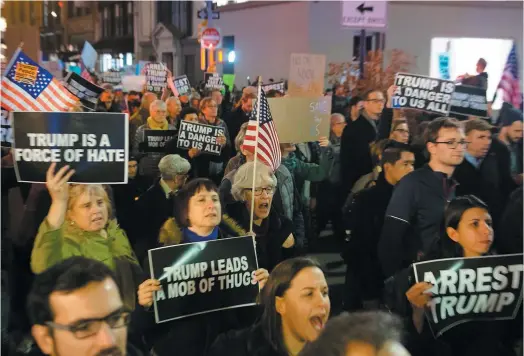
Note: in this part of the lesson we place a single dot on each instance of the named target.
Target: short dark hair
(482, 62)
(181, 208)
(477, 124)
(133, 104)
(187, 111)
(354, 101)
(369, 92)
(434, 127)
(371, 327)
(393, 155)
(66, 276)
(133, 92)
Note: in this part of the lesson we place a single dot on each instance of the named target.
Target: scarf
(290, 162)
(154, 126)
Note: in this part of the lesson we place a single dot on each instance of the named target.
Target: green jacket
(53, 246)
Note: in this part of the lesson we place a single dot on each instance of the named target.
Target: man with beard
(511, 135)
(416, 209)
(76, 309)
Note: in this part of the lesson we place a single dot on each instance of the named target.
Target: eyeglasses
(211, 106)
(268, 190)
(86, 328)
(402, 131)
(452, 144)
(377, 101)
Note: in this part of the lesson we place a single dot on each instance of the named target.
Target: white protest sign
(133, 82)
(306, 74)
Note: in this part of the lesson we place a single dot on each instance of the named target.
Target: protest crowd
(186, 226)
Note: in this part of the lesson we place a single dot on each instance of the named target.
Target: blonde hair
(239, 140)
(244, 179)
(205, 102)
(76, 190)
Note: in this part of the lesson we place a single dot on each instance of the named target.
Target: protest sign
(200, 136)
(470, 101)
(133, 82)
(156, 77)
(6, 132)
(156, 139)
(83, 89)
(466, 289)
(182, 85)
(95, 145)
(203, 277)
(306, 75)
(443, 65)
(301, 119)
(89, 55)
(110, 77)
(422, 93)
(229, 80)
(213, 81)
(280, 87)
(53, 67)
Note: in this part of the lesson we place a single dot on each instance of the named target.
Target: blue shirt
(190, 236)
(473, 160)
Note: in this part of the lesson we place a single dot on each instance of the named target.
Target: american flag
(29, 87)
(84, 72)
(510, 83)
(268, 150)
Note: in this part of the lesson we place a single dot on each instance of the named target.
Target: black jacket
(234, 120)
(355, 156)
(246, 342)
(101, 107)
(509, 235)
(413, 218)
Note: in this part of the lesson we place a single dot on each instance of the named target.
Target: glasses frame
(71, 328)
(268, 190)
(453, 144)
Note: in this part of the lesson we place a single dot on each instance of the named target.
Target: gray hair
(157, 104)
(173, 98)
(239, 140)
(335, 115)
(244, 179)
(173, 165)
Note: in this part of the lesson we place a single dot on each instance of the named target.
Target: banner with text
(203, 277)
(6, 130)
(280, 87)
(156, 77)
(470, 101)
(95, 145)
(110, 77)
(83, 89)
(423, 93)
(133, 82)
(213, 81)
(466, 289)
(156, 139)
(182, 85)
(301, 119)
(200, 136)
(306, 74)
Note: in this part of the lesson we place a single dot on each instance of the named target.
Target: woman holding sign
(79, 224)
(296, 308)
(198, 217)
(467, 233)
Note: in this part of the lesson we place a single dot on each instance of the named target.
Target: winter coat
(148, 165)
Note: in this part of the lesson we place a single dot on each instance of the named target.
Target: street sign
(365, 14)
(202, 14)
(210, 38)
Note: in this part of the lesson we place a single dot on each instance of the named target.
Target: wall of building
(22, 29)
(145, 22)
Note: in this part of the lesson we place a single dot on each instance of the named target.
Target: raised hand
(57, 183)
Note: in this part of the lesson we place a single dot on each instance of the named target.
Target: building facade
(22, 24)
(80, 23)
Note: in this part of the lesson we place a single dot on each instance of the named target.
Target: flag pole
(255, 159)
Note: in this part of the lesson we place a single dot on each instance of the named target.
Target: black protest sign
(6, 131)
(95, 145)
(203, 277)
(465, 289)
(83, 89)
(156, 77)
(111, 77)
(274, 86)
(469, 101)
(155, 140)
(200, 136)
(182, 85)
(214, 81)
(423, 93)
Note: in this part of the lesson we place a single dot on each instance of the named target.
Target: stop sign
(210, 38)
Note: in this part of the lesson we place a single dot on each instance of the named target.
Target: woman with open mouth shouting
(273, 232)
(79, 224)
(296, 307)
(197, 217)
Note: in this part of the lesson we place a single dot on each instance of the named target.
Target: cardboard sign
(133, 82)
(182, 85)
(156, 77)
(280, 87)
(466, 289)
(155, 140)
(301, 119)
(423, 93)
(213, 81)
(114, 78)
(95, 145)
(306, 75)
(6, 131)
(200, 136)
(470, 101)
(203, 277)
(83, 89)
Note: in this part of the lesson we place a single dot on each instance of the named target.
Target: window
(106, 23)
(32, 13)
(12, 8)
(374, 41)
(71, 9)
(167, 58)
(130, 18)
(189, 67)
(119, 23)
(21, 10)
